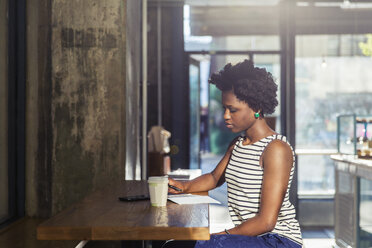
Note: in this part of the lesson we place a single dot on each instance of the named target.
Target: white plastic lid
(158, 179)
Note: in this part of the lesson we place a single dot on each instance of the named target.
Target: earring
(256, 115)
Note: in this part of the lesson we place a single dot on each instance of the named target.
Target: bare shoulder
(278, 146)
(278, 152)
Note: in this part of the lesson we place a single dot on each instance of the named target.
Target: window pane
(220, 39)
(331, 79)
(315, 174)
(194, 86)
(271, 63)
(219, 135)
(232, 43)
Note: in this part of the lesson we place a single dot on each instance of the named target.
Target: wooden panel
(101, 216)
(45, 232)
(150, 233)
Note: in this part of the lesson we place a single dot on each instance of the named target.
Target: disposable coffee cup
(158, 188)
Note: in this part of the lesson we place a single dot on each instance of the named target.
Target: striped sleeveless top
(244, 177)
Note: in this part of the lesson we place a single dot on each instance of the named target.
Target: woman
(258, 165)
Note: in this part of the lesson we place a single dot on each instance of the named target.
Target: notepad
(192, 199)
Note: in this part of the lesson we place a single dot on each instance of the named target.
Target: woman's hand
(176, 184)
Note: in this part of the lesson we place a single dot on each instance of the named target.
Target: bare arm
(207, 181)
(277, 163)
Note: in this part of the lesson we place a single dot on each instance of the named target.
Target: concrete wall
(88, 83)
(36, 159)
(76, 88)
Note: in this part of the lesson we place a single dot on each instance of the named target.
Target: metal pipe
(144, 90)
(82, 244)
(159, 64)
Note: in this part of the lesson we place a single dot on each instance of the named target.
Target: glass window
(271, 62)
(219, 135)
(315, 175)
(232, 43)
(220, 39)
(331, 79)
(194, 101)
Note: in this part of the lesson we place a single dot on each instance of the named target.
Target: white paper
(191, 199)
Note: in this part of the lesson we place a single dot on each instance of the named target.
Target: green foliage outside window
(367, 46)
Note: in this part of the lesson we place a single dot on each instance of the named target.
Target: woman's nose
(226, 114)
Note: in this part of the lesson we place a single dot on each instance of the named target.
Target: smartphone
(174, 187)
(134, 198)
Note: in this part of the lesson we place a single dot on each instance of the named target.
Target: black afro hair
(250, 84)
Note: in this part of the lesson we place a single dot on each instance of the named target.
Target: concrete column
(76, 96)
(88, 85)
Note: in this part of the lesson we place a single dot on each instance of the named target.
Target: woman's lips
(228, 125)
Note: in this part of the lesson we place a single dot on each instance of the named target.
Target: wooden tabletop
(101, 216)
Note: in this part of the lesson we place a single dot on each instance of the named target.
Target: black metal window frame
(16, 108)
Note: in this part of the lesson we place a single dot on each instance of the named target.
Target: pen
(174, 187)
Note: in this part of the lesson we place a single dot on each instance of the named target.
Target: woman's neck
(258, 131)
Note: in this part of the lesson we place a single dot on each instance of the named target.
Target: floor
(318, 238)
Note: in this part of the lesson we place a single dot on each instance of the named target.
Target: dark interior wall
(76, 66)
(3, 109)
(180, 92)
(173, 78)
(166, 36)
(152, 70)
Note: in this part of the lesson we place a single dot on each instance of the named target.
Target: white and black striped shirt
(244, 177)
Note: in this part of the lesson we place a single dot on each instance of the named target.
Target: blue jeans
(239, 241)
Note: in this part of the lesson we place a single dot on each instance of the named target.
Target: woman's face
(238, 115)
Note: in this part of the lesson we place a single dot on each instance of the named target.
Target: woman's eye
(232, 110)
